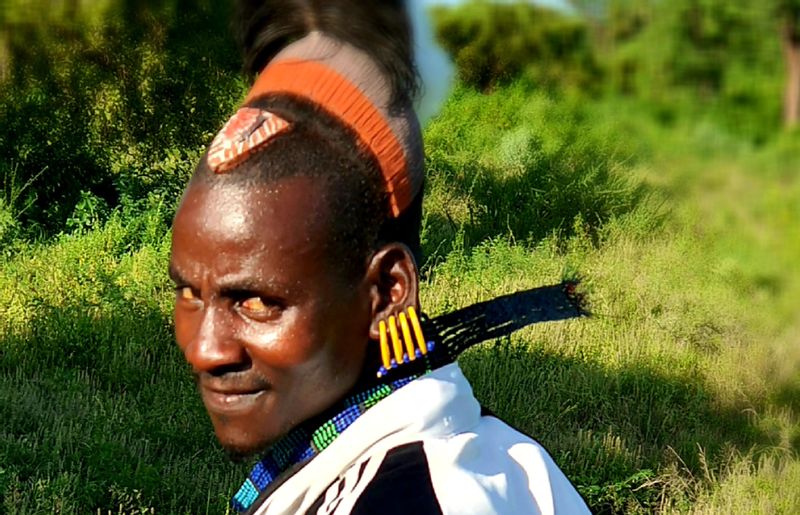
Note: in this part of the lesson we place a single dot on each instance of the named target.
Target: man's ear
(394, 283)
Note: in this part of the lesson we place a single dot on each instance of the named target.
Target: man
(297, 291)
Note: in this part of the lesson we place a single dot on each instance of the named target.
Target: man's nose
(214, 349)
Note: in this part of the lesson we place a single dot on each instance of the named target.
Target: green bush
(495, 43)
(707, 60)
(114, 102)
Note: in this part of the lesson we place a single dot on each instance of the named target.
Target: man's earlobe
(394, 284)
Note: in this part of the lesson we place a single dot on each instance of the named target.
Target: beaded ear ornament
(245, 132)
(407, 342)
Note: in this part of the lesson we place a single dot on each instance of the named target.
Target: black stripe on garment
(402, 485)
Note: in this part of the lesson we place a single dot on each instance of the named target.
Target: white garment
(478, 465)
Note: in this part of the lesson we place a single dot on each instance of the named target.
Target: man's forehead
(283, 208)
(274, 225)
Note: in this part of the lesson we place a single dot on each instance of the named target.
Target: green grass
(98, 408)
(680, 394)
(682, 390)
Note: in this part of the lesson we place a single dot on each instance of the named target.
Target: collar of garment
(437, 405)
(308, 440)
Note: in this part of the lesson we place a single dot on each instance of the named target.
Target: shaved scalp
(320, 146)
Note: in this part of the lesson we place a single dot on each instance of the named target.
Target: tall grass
(522, 165)
(683, 388)
(98, 409)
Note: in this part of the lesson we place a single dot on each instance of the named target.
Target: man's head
(283, 268)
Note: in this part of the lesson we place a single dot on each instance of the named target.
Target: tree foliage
(698, 58)
(496, 43)
(712, 56)
(110, 99)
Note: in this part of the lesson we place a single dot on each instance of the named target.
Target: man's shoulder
(495, 468)
(491, 468)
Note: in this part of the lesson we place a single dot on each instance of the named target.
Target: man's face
(272, 335)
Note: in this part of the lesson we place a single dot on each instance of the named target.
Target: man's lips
(231, 399)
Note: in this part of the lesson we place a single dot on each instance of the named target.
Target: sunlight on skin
(271, 335)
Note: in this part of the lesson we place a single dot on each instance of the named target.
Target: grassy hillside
(681, 393)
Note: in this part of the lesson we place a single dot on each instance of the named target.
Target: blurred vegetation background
(650, 147)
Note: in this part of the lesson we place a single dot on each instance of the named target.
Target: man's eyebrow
(175, 275)
(235, 284)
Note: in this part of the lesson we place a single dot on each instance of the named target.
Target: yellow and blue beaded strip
(407, 341)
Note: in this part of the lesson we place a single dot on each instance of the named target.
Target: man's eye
(186, 293)
(258, 308)
(254, 304)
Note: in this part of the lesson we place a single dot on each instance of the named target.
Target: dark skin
(272, 331)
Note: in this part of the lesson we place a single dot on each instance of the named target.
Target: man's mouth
(230, 401)
(227, 397)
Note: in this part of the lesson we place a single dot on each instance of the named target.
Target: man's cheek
(185, 330)
(286, 347)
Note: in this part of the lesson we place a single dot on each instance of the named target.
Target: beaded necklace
(303, 443)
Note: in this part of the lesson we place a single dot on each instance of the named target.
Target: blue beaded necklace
(303, 443)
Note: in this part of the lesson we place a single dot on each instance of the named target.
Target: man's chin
(240, 451)
(237, 456)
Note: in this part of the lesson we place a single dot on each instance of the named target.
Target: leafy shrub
(113, 102)
(494, 43)
(89, 213)
(717, 60)
(16, 199)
